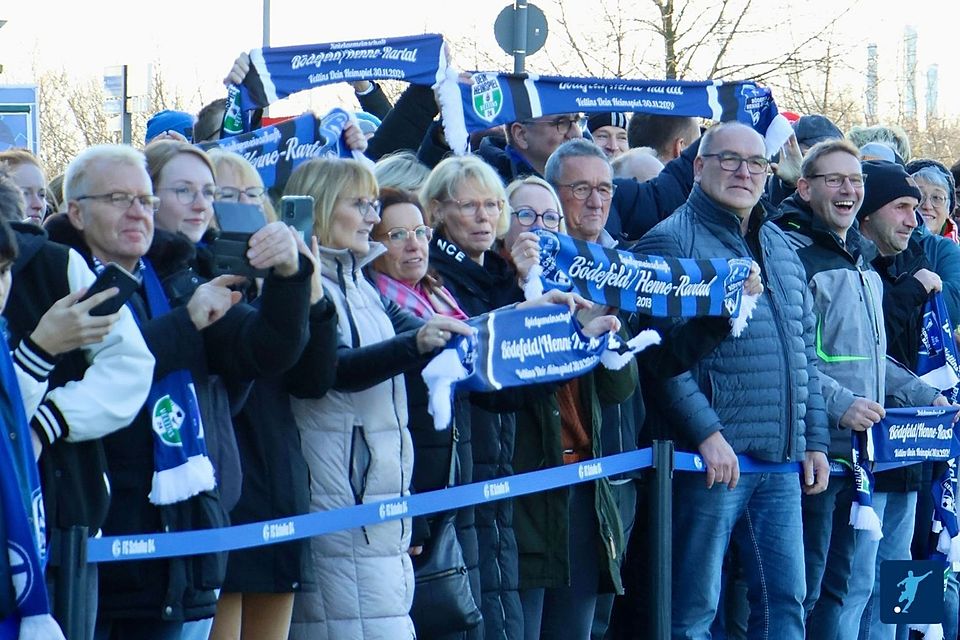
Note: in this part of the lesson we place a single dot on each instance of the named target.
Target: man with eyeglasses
(888, 218)
(590, 416)
(583, 178)
(757, 395)
(528, 145)
(97, 371)
(199, 329)
(851, 346)
(522, 151)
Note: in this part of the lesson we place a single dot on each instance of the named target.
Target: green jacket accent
(540, 520)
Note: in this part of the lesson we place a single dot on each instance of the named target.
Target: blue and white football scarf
(21, 509)
(652, 285)
(513, 347)
(936, 358)
(915, 434)
(277, 72)
(181, 468)
(862, 514)
(276, 150)
(904, 435)
(494, 99)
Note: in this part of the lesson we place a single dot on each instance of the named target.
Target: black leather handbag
(443, 601)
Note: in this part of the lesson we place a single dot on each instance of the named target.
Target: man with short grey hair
(757, 394)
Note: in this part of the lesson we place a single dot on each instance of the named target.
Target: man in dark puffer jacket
(757, 394)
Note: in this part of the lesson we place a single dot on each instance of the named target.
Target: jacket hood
(30, 238)
(60, 230)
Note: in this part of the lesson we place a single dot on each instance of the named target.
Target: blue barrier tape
(151, 546)
(184, 543)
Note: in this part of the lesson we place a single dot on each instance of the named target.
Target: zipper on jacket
(778, 321)
(613, 546)
(871, 313)
(393, 387)
(358, 494)
(871, 306)
(354, 332)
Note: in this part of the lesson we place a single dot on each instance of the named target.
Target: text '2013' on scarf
(652, 285)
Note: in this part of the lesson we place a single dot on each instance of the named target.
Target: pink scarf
(418, 300)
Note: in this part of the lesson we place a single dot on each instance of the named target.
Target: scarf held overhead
(513, 347)
(276, 150)
(494, 99)
(277, 72)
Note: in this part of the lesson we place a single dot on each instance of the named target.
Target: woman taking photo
(256, 600)
(355, 439)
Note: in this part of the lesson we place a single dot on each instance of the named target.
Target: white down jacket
(358, 449)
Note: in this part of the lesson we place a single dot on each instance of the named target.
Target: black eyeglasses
(123, 201)
(232, 194)
(528, 217)
(562, 124)
(582, 190)
(731, 162)
(836, 179)
(398, 236)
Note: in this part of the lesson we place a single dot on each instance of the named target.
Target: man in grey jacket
(757, 394)
(851, 347)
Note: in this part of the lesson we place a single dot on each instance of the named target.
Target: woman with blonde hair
(256, 600)
(401, 170)
(238, 181)
(26, 172)
(534, 204)
(465, 199)
(355, 439)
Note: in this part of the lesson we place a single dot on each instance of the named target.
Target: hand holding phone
(297, 212)
(236, 222)
(275, 247)
(113, 275)
(71, 322)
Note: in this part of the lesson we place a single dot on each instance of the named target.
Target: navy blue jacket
(761, 389)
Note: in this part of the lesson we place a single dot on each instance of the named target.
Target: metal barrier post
(661, 527)
(68, 558)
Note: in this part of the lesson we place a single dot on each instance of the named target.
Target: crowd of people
(213, 398)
